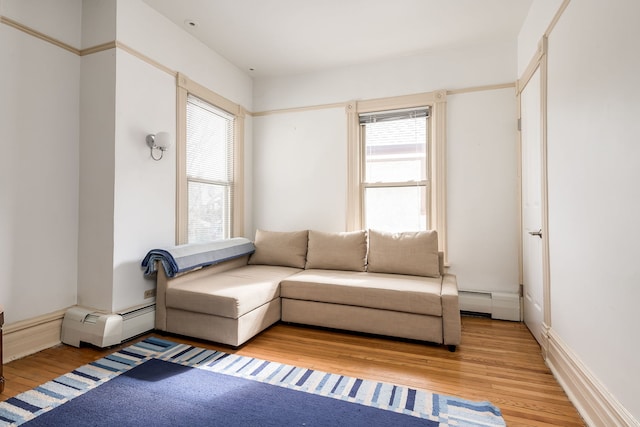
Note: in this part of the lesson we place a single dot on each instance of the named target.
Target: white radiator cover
(500, 305)
(106, 329)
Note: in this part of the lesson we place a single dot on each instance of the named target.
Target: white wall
(594, 158)
(145, 30)
(59, 20)
(98, 22)
(450, 69)
(39, 114)
(144, 206)
(300, 161)
(300, 157)
(482, 190)
(97, 158)
(137, 193)
(538, 19)
(96, 189)
(82, 201)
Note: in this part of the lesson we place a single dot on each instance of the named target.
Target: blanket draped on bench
(181, 258)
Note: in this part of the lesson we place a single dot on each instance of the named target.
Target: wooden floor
(497, 361)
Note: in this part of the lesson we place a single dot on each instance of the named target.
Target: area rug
(157, 382)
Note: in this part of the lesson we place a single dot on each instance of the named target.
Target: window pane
(209, 142)
(209, 211)
(209, 164)
(396, 208)
(395, 151)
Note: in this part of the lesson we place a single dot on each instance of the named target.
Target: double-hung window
(395, 185)
(209, 169)
(396, 164)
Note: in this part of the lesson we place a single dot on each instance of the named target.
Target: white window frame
(369, 118)
(436, 189)
(185, 86)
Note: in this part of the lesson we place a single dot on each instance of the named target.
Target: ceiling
(283, 37)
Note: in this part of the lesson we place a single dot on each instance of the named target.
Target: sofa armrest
(451, 325)
(163, 283)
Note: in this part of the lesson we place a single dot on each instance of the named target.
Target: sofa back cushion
(283, 248)
(337, 251)
(414, 253)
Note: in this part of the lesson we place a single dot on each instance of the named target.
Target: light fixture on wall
(160, 141)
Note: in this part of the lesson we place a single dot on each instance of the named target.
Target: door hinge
(519, 124)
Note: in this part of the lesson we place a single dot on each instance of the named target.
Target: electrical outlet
(149, 293)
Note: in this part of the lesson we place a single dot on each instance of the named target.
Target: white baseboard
(596, 405)
(30, 336)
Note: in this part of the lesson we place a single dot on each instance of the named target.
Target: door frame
(537, 63)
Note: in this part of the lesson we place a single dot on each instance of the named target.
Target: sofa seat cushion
(396, 292)
(231, 293)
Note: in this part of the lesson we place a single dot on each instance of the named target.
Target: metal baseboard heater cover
(106, 329)
(499, 305)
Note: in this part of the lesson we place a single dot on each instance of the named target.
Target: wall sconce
(160, 141)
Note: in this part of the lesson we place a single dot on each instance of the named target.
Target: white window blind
(209, 166)
(395, 169)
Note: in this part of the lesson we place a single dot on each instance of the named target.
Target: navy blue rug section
(155, 380)
(160, 393)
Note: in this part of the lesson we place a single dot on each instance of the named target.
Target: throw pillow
(414, 253)
(337, 251)
(283, 248)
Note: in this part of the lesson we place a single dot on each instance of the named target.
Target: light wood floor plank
(497, 361)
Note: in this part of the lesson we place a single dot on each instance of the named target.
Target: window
(209, 169)
(394, 179)
(396, 164)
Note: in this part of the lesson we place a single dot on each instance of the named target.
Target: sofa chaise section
(227, 307)
(232, 301)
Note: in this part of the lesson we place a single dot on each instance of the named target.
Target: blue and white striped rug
(431, 407)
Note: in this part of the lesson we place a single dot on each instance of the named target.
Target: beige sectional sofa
(364, 281)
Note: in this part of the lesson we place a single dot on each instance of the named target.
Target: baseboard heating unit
(106, 329)
(497, 305)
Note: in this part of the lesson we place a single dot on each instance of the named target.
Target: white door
(532, 233)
